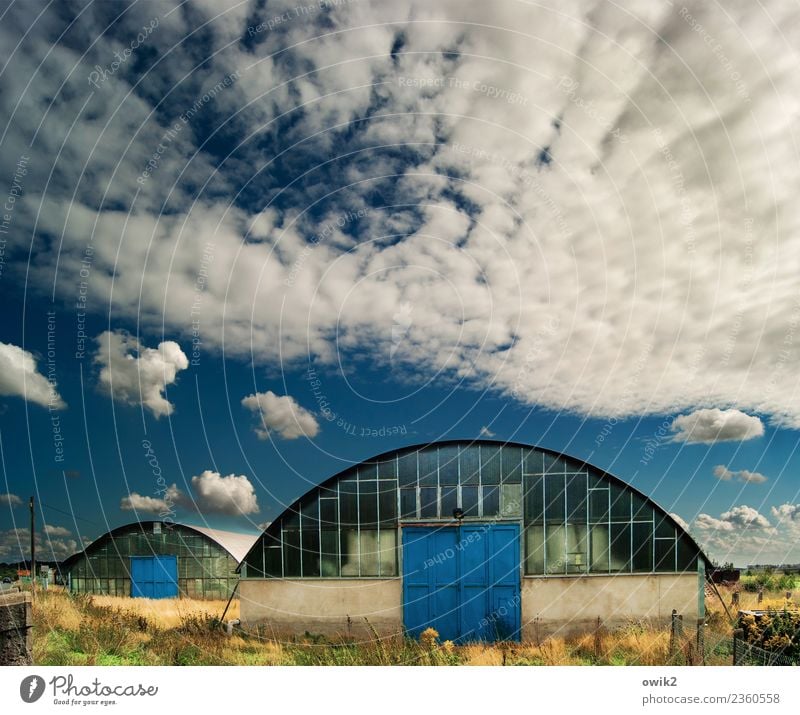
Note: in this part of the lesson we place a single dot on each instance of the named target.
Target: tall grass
(106, 630)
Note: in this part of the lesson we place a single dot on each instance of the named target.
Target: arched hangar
(155, 559)
(478, 539)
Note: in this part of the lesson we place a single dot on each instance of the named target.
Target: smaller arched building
(480, 540)
(154, 559)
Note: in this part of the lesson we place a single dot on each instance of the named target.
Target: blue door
(154, 576)
(463, 581)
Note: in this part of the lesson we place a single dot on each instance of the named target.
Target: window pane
(620, 503)
(620, 547)
(291, 519)
(408, 503)
(491, 501)
(642, 547)
(254, 562)
(598, 548)
(388, 552)
(448, 465)
(291, 553)
(687, 554)
(469, 501)
(490, 464)
(349, 552)
(428, 467)
(554, 465)
(555, 503)
(348, 502)
(555, 548)
(534, 499)
(577, 548)
(328, 513)
(368, 504)
(387, 469)
(534, 462)
(642, 511)
(428, 502)
(387, 502)
(512, 464)
(664, 528)
(665, 555)
(367, 471)
(576, 497)
(511, 500)
(534, 549)
(407, 469)
(369, 553)
(310, 513)
(330, 553)
(310, 552)
(470, 465)
(449, 501)
(598, 505)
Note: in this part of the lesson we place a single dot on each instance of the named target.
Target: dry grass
(105, 630)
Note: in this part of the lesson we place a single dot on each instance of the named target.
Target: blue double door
(154, 576)
(463, 581)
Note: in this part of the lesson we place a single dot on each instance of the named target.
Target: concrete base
(571, 606)
(16, 621)
(550, 606)
(331, 607)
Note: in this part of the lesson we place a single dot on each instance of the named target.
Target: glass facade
(205, 569)
(575, 520)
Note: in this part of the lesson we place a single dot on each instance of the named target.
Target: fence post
(701, 642)
(673, 634)
(738, 634)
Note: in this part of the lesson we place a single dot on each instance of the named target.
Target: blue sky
(246, 244)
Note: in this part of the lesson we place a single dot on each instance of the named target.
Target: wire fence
(745, 653)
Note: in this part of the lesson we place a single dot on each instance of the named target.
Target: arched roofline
(295, 505)
(67, 563)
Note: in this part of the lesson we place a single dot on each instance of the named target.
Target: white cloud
(51, 530)
(19, 377)
(173, 497)
(11, 500)
(560, 243)
(232, 494)
(707, 426)
(136, 374)
(742, 475)
(485, 432)
(15, 546)
(281, 414)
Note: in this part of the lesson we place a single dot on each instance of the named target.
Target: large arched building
(154, 559)
(479, 540)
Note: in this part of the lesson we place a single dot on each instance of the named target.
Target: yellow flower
(448, 647)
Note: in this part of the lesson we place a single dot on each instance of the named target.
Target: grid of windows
(574, 521)
(205, 569)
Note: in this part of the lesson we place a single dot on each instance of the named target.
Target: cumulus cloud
(15, 546)
(707, 426)
(737, 519)
(19, 377)
(562, 231)
(51, 530)
(162, 506)
(486, 432)
(233, 494)
(137, 374)
(281, 414)
(11, 500)
(724, 474)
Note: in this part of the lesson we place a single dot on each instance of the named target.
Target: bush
(777, 629)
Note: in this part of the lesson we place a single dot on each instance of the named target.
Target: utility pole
(33, 544)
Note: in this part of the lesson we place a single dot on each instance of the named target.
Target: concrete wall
(566, 606)
(552, 605)
(292, 607)
(16, 621)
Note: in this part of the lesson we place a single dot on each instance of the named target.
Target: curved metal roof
(236, 544)
(495, 443)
